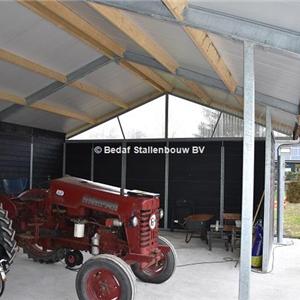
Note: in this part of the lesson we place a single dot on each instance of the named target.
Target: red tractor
(119, 229)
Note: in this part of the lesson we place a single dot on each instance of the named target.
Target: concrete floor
(32, 281)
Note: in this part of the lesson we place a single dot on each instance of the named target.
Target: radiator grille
(147, 236)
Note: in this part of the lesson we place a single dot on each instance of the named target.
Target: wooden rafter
(63, 17)
(139, 36)
(98, 93)
(63, 111)
(55, 109)
(30, 65)
(52, 74)
(176, 7)
(204, 44)
(133, 31)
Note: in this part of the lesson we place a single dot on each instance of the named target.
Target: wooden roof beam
(55, 109)
(204, 44)
(20, 61)
(130, 28)
(25, 63)
(64, 18)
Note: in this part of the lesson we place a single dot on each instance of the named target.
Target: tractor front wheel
(105, 277)
(163, 270)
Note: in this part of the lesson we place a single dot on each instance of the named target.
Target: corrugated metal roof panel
(25, 33)
(269, 12)
(20, 81)
(175, 41)
(102, 24)
(44, 120)
(119, 81)
(81, 102)
(275, 75)
(31, 36)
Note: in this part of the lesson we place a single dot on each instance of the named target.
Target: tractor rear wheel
(105, 277)
(8, 245)
(40, 255)
(163, 270)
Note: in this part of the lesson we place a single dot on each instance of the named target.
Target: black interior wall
(15, 141)
(78, 160)
(14, 151)
(233, 174)
(193, 178)
(146, 171)
(47, 156)
(194, 181)
(107, 166)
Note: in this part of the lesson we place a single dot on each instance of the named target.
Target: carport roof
(67, 66)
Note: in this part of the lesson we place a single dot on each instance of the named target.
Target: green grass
(292, 220)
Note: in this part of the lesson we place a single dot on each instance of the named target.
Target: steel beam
(64, 159)
(92, 162)
(222, 184)
(153, 8)
(123, 169)
(229, 26)
(268, 201)
(167, 160)
(57, 85)
(31, 162)
(280, 196)
(210, 81)
(248, 172)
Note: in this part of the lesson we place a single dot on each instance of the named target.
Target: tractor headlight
(134, 221)
(161, 213)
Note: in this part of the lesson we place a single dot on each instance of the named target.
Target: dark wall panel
(146, 171)
(233, 174)
(15, 156)
(259, 173)
(194, 180)
(47, 157)
(107, 166)
(15, 141)
(78, 160)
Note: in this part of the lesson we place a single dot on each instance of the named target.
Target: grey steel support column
(31, 163)
(268, 202)
(64, 160)
(280, 196)
(222, 183)
(166, 206)
(248, 172)
(123, 169)
(92, 162)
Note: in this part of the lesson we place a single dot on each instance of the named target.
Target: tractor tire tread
(7, 237)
